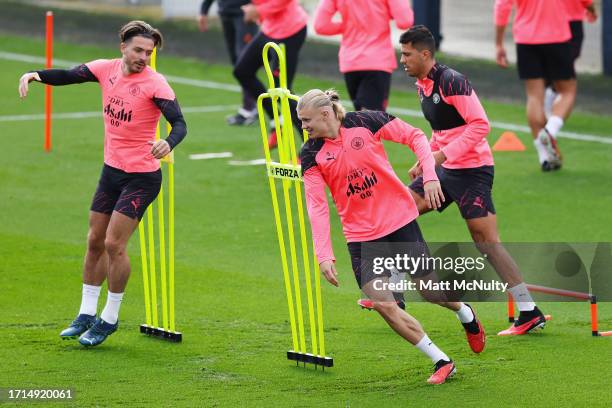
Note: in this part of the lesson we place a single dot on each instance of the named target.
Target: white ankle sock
(431, 350)
(522, 297)
(542, 153)
(554, 125)
(549, 98)
(465, 314)
(110, 314)
(89, 300)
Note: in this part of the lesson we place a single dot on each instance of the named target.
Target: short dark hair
(420, 37)
(140, 28)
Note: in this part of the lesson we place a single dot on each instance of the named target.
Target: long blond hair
(316, 98)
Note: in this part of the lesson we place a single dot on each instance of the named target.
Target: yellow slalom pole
(291, 232)
(279, 227)
(288, 161)
(302, 226)
(284, 158)
(162, 258)
(145, 274)
(152, 271)
(317, 274)
(171, 238)
(162, 247)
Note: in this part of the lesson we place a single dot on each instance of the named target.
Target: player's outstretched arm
(56, 77)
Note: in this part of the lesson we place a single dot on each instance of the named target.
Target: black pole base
(310, 358)
(175, 337)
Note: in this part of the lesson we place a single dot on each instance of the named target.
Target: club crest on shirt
(436, 98)
(357, 143)
(134, 90)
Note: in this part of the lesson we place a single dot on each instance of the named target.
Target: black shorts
(368, 89)
(471, 189)
(547, 61)
(577, 28)
(127, 193)
(406, 240)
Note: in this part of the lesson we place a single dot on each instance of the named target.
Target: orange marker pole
(594, 328)
(510, 308)
(49, 55)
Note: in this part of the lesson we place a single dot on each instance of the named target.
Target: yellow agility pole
(148, 246)
(296, 265)
(145, 272)
(171, 235)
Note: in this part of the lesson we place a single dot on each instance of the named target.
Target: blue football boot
(78, 326)
(98, 333)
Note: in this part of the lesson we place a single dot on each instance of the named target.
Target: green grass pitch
(230, 301)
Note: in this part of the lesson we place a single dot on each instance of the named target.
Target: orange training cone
(509, 142)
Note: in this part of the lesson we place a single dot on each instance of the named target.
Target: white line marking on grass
(235, 88)
(516, 128)
(256, 162)
(203, 84)
(41, 116)
(206, 156)
(94, 114)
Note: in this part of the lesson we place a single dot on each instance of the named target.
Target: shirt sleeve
(98, 68)
(502, 11)
(172, 112)
(472, 112)
(162, 89)
(318, 213)
(402, 13)
(400, 132)
(586, 3)
(76, 75)
(324, 15)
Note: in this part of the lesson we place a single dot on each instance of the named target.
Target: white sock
(549, 98)
(465, 314)
(542, 153)
(89, 301)
(554, 125)
(247, 113)
(110, 314)
(431, 350)
(521, 296)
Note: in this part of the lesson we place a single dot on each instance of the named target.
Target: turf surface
(230, 295)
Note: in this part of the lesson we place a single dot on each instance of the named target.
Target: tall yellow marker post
(296, 265)
(146, 231)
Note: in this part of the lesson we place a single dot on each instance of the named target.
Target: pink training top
(536, 21)
(366, 35)
(371, 200)
(576, 9)
(464, 146)
(280, 19)
(130, 115)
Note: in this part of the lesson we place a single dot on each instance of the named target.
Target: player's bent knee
(95, 242)
(114, 247)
